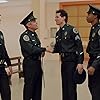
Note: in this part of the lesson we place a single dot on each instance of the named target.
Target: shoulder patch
(26, 38)
(99, 32)
(75, 30)
(93, 34)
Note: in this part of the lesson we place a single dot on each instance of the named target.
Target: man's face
(32, 25)
(90, 17)
(59, 20)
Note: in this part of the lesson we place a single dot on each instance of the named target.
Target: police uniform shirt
(3, 52)
(93, 48)
(68, 41)
(30, 44)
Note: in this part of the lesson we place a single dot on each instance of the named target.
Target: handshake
(47, 49)
(43, 49)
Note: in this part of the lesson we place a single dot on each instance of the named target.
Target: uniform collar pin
(32, 34)
(92, 27)
(63, 28)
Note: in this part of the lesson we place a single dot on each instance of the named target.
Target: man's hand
(91, 70)
(49, 49)
(9, 70)
(43, 54)
(79, 68)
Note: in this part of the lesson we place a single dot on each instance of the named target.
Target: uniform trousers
(94, 82)
(4, 84)
(32, 79)
(68, 86)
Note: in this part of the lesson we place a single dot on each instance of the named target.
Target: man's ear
(96, 16)
(64, 17)
(28, 24)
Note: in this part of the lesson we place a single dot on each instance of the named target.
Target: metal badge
(99, 32)
(93, 34)
(65, 33)
(75, 30)
(26, 38)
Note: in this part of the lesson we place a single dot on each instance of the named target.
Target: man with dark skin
(93, 49)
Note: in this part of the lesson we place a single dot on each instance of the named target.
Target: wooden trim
(14, 58)
(18, 64)
(62, 4)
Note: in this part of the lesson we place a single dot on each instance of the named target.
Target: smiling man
(69, 46)
(93, 49)
(32, 53)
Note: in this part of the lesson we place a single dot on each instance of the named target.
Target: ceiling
(23, 2)
(52, 0)
(66, 0)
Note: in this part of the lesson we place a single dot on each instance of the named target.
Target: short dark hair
(63, 13)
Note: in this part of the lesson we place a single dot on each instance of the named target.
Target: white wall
(11, 15)
(50, 22)
(50, 15)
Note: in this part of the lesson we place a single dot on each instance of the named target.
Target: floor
(52, 90)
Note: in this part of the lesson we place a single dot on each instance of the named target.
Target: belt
(92, 56)
(67, 54)
(34, 58)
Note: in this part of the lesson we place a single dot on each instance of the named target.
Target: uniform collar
(93, 26)
(63, 28)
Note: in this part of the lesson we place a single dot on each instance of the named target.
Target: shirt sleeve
(29, 47)
(96, 62)
(3, 50)
(79, 46)
(5, 55)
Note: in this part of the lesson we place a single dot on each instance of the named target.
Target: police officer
(32, 51)
(4, 79)
(69, 46)
(93, 49)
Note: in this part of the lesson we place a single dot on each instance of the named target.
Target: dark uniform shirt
(3, 53)
(93, 48)
(30, 45)
(68, 41)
